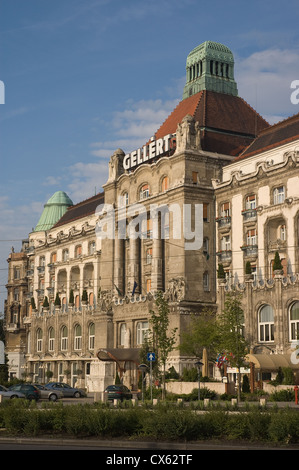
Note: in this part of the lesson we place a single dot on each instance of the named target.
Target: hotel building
(101, 289)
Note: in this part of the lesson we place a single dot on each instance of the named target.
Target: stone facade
(257, 216)
(115, 251)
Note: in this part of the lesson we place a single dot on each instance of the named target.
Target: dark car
(66, 389)
(30, 391)
(119, 392)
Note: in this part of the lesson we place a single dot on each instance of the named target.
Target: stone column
(157, 263)
(118, 264)
(133, 268)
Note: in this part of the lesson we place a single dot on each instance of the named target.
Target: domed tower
(54, 209)
(210, 66)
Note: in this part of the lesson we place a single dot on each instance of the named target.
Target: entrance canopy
(271, 362)
(119, 355)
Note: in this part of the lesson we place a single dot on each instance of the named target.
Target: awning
(119, 355)
(271, 362)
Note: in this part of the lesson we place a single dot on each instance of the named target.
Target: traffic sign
(151, 356)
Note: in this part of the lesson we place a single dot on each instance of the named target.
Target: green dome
(210, 66)
(54, 209)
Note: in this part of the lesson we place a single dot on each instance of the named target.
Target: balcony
(249, 215)
(250, 251)
(277, 245)
(224, 223)
(225, 256)
(40, 292)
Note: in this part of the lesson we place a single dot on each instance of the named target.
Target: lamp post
(198, 364)
(143, 368)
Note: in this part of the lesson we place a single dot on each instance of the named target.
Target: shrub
(283, 395)
(284, 427)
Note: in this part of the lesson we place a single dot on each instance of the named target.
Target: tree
(277, 265)
(84, 296)
(201, 334)
(71, 298)
(57, 301)
(162, 339)
(231, 339)
(220, 272)
(248, 269)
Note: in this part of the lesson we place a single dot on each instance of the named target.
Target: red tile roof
(278, 134)
(82, 209)
(228, 123)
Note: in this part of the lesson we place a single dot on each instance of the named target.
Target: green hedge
(163, 422)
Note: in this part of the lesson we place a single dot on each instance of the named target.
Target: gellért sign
(147, 152)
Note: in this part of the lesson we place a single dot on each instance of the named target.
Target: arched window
(266, 324)
(78, 251)
(39, 340)
(91, 336)
(78, 338)
(65, 255)
(64, 338)
(91, 247)
(294, 321)
(51, 339)
(165, 184)
(144, 192)
(125, 199)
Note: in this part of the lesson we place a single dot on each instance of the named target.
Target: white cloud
(87, 179)
(134, 126)
(264, 80)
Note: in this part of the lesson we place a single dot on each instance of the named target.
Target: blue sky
(85, 77)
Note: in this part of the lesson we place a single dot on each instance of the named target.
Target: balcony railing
(249, 215)
(224, 222)
(250, 251)
(225, 256)
(277, 245)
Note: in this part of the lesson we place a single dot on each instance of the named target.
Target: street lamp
(198, 364)
(143, 368)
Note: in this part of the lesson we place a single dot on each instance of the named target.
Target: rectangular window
(17, 273)
(225, 243)
(194, 177)
(250, 202)
(205, 212)
(225, 209)
(251, 238)
(279, 195)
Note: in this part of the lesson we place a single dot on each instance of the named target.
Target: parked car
(51, 395)
(120, 392)
(29, 390)
(10, 394)
(66, 389)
